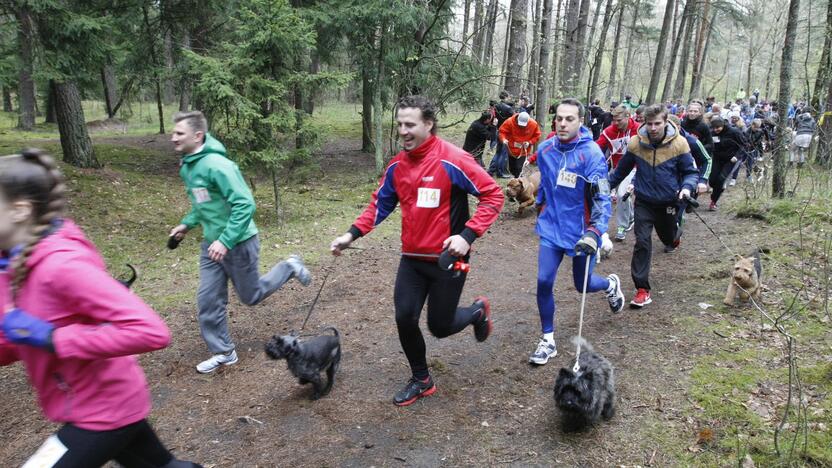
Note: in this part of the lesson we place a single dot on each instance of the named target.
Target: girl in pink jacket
(75, 328)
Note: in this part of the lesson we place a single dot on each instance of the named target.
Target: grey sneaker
(545, 350)
(615, 296)
(216, 361)
(300, 271)
(620, 233)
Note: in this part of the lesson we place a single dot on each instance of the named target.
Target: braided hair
(33, 176)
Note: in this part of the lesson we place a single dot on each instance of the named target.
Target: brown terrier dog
(746, 275)
(524, 190)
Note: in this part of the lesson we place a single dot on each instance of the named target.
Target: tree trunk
(466, 14)
(154, 57)
(170, 87)
(658, 62)
(506, 43)
(825, 133)
(479, 31)
(108, 82)
(366, 109)
(534, 52)
(704, 27)
(50, 103)
(580, 62)
(556, 47)
(778, 180)
(625, 82)
(7, 100)
(585, 57)
(378, 106)
(599, 51)
(25, 77)
(568, 68)
(184, 83)
(696, 83)
(542, 95)
(681, 32)
(491, 23)
(75, 141)
(517, 47)
(313, 94)
(825, 66)
(614, 61)
(681, 76)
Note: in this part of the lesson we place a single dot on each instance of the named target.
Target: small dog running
(747, 274)
(589, 395)
(307, 359)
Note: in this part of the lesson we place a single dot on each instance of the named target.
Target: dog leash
(317, 296)
(695, 204)
(577, 366)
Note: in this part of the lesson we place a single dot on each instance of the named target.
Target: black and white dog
(307, 359)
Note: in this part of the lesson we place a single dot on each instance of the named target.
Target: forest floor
(698, 383)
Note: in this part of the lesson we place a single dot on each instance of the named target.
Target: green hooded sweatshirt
(220, 199)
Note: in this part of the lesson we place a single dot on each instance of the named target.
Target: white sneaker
(732, 183)
(216, 361)
(301, 273)
(545, 350)
(615, 296)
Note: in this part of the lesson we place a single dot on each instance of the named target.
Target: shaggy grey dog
(589, 395)
(307, 359)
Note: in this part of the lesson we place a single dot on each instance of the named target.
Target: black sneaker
(483, 324)
(414, 390)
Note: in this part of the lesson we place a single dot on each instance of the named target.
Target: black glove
(588, 244)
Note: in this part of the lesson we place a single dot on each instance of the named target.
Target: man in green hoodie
(222, 204)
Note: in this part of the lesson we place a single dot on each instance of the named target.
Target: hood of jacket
(211, 146)
(670, 132)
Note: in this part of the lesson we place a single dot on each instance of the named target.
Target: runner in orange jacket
(520, 134)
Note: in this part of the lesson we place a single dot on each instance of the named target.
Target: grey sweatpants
(624, 211)
(240, 265)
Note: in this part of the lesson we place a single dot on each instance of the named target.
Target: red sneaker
(712, 206)
(641, 299)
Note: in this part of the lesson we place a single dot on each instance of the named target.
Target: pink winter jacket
(93, 380)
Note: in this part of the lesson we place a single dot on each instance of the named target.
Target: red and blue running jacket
(431, 184)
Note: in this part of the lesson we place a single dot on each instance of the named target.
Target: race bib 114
(427, 198)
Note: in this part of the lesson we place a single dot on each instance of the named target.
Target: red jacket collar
(424, 149)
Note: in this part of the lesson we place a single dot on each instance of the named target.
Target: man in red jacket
(613, 142)
(431, 180)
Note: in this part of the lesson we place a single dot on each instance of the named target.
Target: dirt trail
(491, 406)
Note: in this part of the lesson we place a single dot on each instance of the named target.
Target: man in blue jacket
(574, 202)
(666, 175)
